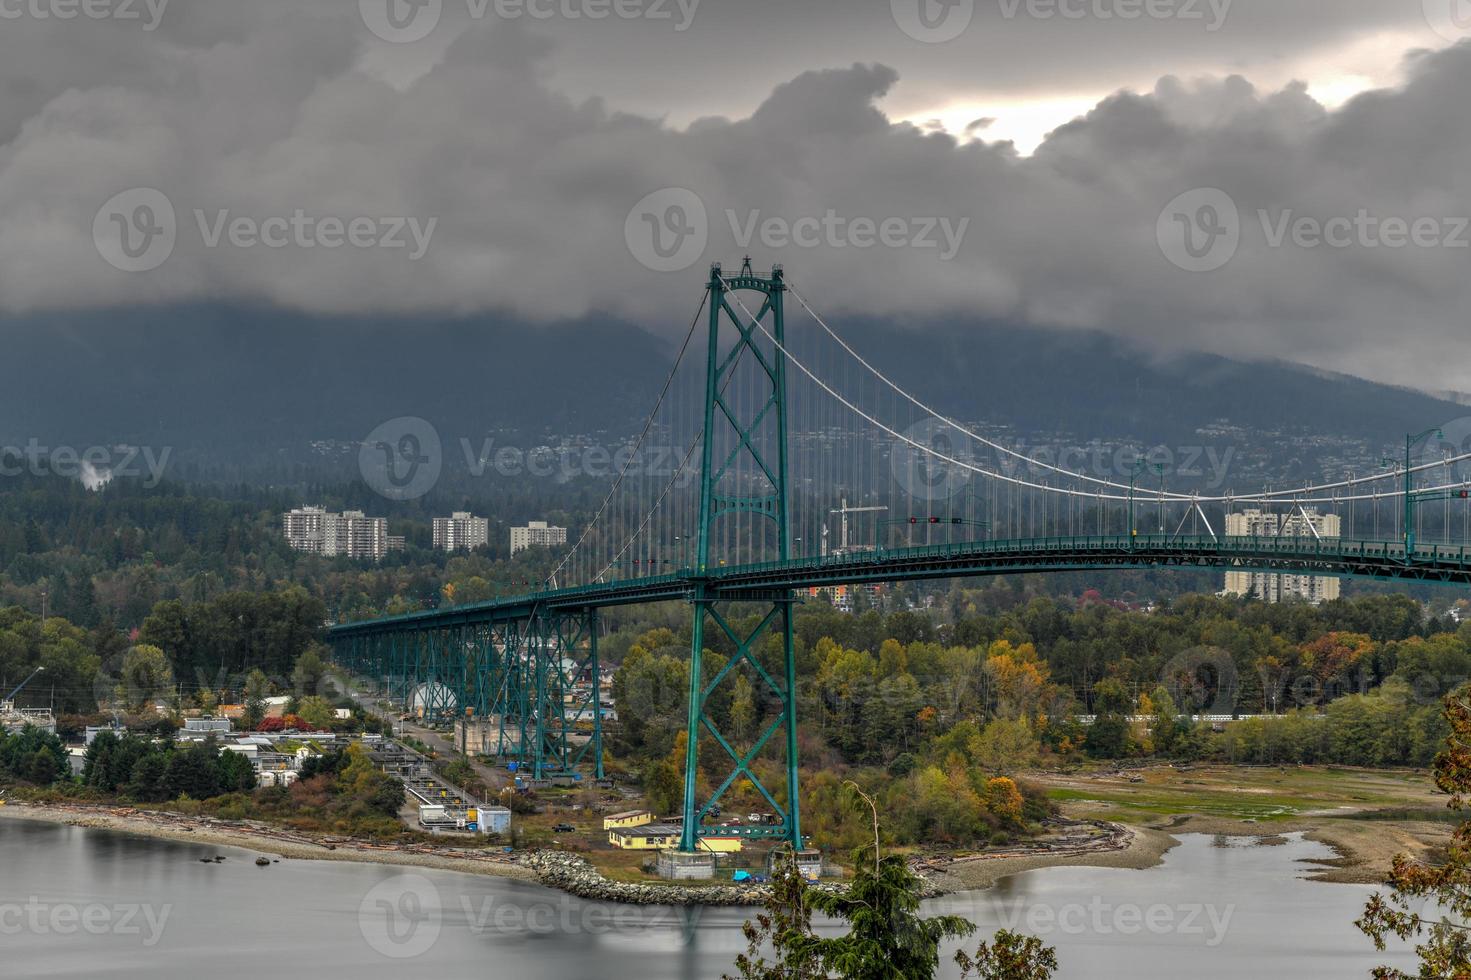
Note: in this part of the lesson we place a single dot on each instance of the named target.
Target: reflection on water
(81, 903)
(1217, 908)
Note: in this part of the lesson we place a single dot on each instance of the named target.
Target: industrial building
(658, 836)
(628, 819)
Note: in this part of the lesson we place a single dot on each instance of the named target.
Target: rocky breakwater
(575, 875)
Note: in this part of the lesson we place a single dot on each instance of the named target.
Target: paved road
(494, 779)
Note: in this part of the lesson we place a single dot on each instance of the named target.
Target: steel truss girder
(537, 676)
(789, 823)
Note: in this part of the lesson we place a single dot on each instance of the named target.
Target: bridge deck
(1289, 555)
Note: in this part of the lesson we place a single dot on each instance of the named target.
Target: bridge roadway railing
(1449, 564)
(1291, 555)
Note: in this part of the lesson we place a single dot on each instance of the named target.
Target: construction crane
(844, 510)
(11, 699)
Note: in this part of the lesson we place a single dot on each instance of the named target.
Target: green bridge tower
(761, 441)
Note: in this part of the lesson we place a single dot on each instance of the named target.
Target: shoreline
(1363, 849)
(1127, 847)
(175, 827)
(1144, 848)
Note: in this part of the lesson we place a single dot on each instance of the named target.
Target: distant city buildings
(1273, 586)
(537, 534)
(461, 531)
(350, 533)
(845, 597)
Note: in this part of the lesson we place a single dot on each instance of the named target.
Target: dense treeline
(235, 632)
(929, 712)
(107, 557)
(33, 756)
(150, 770)
(876, 686)
(341, 791)
(181, 651)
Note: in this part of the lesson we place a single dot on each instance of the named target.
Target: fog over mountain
(236, 392)
(496, 184)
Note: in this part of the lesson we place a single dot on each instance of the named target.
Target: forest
(937, 698)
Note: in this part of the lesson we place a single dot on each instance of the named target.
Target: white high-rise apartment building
(322, 532)
(1276, 586)
(537, 533)
(461, 530)
(306, 528)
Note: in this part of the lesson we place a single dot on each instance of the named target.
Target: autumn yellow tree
(1018, 679)
(1003, 800)
(1434, 901)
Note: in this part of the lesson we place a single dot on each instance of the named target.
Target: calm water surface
(89, 903)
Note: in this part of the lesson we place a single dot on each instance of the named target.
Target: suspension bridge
(768, 433)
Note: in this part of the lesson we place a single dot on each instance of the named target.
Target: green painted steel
(1411, 497)
(1383, 560)
(772, 461)
(489, 657)
(533, 679)
(531, 662)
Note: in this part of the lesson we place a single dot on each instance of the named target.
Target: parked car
(564, 828)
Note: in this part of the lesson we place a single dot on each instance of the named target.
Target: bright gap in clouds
(1333, 77)
(1026, 122)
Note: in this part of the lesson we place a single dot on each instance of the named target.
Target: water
(85, 903)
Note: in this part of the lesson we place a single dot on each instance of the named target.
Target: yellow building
(628, 818)
(655, 837)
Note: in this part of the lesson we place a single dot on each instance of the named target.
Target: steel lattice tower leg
(771, 420)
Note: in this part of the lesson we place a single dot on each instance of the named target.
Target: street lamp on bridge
(1140, 465)
(1410, 443)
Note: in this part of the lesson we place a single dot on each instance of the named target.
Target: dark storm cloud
(522, 198)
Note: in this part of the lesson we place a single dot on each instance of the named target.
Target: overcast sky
(1260, 178)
